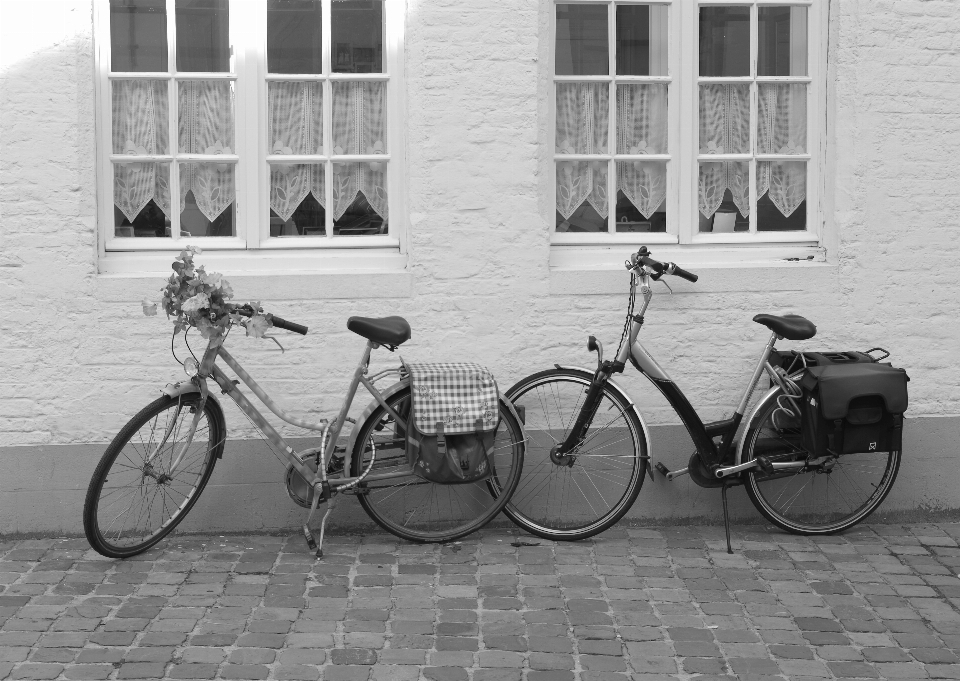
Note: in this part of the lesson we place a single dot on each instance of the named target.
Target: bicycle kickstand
(726, 516)
(307, 534)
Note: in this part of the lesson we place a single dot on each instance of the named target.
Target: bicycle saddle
(790, 326)
(382, 330)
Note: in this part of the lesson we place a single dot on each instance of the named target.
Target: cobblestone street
(654, 603)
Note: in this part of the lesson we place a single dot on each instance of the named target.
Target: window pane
(641, 196)
(140, 116)
(141, 198)
(360, 198)
(362, 104)
(641, 40)
(582, 46)
(357, 35)
(724, 41)
(782, 192)
(782, 124)
(582, 196)
(203, 36)
(782, 41)
(294, 41)
(138, 35)
(207, 193)
(206, 122)
(724, 119)
(583, 123)
(297, 200)
(642, 119)
(295, 117)
(724, 196)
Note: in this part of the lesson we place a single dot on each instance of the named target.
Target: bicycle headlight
(191, 367)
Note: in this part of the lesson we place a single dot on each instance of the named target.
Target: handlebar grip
(281, 323)
(683, 274)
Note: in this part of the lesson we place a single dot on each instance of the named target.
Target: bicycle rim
(574, 502)
(424, 511)
(134, 500)
(809, 501)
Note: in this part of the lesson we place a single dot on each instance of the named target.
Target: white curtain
(295, 126)
(206, 127)
(782, 129)
(642, 129)
(359, 127)
(724, 129)
(582, 128)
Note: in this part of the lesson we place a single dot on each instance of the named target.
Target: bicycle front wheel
(829, 495)
(584, 498)
(135, 498)
(419, 510)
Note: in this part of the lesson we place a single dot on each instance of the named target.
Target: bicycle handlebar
(278, 322)
(643, 257)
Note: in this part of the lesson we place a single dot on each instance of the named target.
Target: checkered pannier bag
(453, 422)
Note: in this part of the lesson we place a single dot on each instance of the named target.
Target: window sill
(600, 271)
(266, 275)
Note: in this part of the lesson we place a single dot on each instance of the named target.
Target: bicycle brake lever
(664, 282)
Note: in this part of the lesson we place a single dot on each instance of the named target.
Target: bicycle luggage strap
(460, 396)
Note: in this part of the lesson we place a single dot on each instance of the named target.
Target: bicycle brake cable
(173, 337)
(630, 307)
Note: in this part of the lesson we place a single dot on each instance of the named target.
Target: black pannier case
(851, 408)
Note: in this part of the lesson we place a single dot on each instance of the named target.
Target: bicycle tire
(546, 503)
(125, 459)
(808, 502)
(422, 511)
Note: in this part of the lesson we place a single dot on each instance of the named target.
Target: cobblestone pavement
(656, 603)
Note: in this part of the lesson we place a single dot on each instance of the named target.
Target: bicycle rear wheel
(422, 511)
(825, 498)
(575, 502)
(133, 500)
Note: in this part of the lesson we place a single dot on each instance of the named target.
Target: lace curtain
(782, 129)
(205, 126)
(359, 124)
(583, 128)
(295, 125)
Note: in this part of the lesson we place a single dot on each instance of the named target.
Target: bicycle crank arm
(668, 474)
(725, 471)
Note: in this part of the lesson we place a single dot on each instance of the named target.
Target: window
(685, 122)
(248, 125)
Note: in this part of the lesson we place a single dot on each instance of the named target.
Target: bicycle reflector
(191, 367)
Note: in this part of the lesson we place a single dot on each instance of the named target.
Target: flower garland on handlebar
(194, 297)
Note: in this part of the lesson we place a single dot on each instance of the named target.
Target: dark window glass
(727, 218)
(770, 219)
(138, 35)
(724, 41)
(782, 41)
(357, 36)
(150, 222)
(630, 220)
(307, 220)
(360, 219)
(633, 40)
(203, 36)
(294, 43)
(582, 46)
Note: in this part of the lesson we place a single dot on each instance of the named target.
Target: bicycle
(588, 445)
(154, 470)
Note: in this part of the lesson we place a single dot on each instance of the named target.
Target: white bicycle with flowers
(154, 470)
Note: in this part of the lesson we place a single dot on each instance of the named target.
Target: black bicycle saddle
(382, 330)
(790, 326)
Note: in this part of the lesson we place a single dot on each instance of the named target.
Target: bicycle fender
(767, 396)
(179, 388)
(386, 394)
(623, 394)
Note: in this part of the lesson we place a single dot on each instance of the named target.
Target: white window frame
(252, 248)
(683, 136)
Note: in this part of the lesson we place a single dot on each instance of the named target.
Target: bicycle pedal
(763, 463)
(661, 469)
(311, 542)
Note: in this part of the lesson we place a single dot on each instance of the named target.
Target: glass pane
(206, 122)
(140, 115)
(641, 40)
(583, 122)
(724, 196)
(782, 188)
(724, 41)
(360, 198)
(782, 120)
(582, 41)
(295, 117)
(294, 41)
(724, 119)
(642, 119)
(362, 104)
(357, 35)
(203, 36)
(582, 196)
(782, 41)
(297, 200)
(641, 196)
(207, 193)
(141, 199)
(138, 35)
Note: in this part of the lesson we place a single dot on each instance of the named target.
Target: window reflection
(357, 35)
(724, 41)
(203, 36)
(582, 41)
(138, 35)
(294, 39)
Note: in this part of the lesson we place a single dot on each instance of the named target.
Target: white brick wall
(78, 358)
